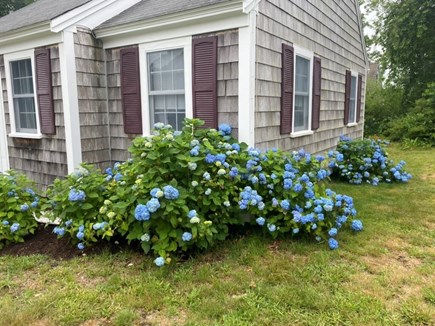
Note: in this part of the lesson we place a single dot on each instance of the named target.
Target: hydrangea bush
(183, 190)
(365, 161)
(79, 203)
(18, 205)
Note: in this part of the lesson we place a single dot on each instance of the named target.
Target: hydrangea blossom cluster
(365, 161)
(76, 195)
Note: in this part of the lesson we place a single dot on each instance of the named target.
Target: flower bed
(182, 190)
(18, 203)
(365, 161)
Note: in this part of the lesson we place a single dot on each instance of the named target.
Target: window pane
(302, 75)
(167, 102)
(301, 112)
(25, 117)
(352, 103)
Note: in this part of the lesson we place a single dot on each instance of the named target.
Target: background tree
(7, 6)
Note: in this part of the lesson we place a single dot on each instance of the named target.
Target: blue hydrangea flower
(192, 213)
(15, 227)
(118, 177)
(234, 172)
(80, 246)
(288, 183)
(332, 232)
(206, 176)
(68, 223)
(333, 244)
(141, 213)
(59, 231)
(159, 261)
(170, 192)
(221, 158)
(109, 171)
(236, 147)
(76, 195)
(225, 129)
(34, 204)
(285, 204)
(260, 221)
(24, 208)
(271, 227)
(194, 151)
(357, 225)
(297, 187)
(153, 205)
(210, 158)
(187, 236)
(5, 222)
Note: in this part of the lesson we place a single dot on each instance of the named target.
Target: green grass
(382, 276)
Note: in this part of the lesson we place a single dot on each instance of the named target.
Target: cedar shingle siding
(40, 159)
(331, 31)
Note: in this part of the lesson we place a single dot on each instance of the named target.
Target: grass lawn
(384, 275)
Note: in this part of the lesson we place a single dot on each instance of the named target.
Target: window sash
(166, 88)
(302, 93)
(353, 99)
(23, 96)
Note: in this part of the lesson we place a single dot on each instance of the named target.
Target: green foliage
(383, 104)
(18, 204)
(76, 202)
(365, 160)
(416, 128)
(7, 6)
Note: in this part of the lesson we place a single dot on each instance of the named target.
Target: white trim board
(4, 155)
(70, 101)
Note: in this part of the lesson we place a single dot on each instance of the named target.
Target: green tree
(406, 35)
(7, 6)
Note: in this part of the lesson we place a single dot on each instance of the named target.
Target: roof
(146, 9)
(37, 12)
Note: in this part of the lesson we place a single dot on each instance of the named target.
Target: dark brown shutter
(44, 91)
(204, 80)
(347, 96)
(130, 90)
(317, 89)
(358, 103)
(287, 86)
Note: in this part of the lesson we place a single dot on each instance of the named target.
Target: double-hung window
(353, 99)
(166, 87)
(302, 94)
(22, 94)
(166, 82)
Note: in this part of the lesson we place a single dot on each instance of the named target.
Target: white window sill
(352, 124)
(301, 133)
(27, 136)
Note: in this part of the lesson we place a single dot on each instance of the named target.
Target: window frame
(353, 74)
(12, 57)
(308, 55)
(184, 43)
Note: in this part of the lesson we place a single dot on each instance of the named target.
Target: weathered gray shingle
(37, 12)
(154, 8)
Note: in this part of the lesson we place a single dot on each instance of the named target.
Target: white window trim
(309, 55)
(4, 152)
(186, 44)
(353, 123)
(8, 58)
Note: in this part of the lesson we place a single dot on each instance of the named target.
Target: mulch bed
(45, 242)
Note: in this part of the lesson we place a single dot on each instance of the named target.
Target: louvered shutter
(358, 103)
(317, 80)
(130, 90)
(347, 96)
(287, 86)
(204, 83)
(44, 91)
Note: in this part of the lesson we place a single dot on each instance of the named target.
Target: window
(165, 82)
(21, 87)
(302, 94)
(23, 96)
(166, 87)
(352, 99)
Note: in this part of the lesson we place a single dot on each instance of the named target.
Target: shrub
(18, 205)
(76, 201)
(182, 190)
(364, 160)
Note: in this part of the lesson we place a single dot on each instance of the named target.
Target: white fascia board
(247, 72)
(4, 155)
(28, 38)
(225, 9)
(172, 31)
(70, 101)
(91, 14)
(249, 5)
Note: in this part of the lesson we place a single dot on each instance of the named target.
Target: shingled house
(81, 78)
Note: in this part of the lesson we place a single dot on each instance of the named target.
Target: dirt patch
(155, 318)
(45, 242)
